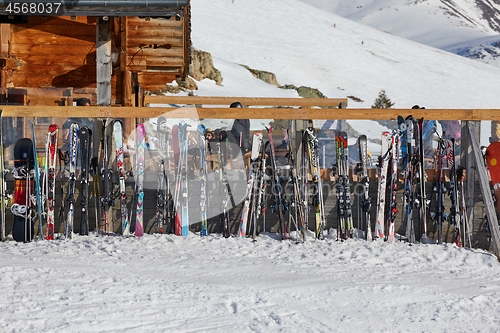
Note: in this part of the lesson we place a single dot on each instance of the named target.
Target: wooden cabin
(108, 53)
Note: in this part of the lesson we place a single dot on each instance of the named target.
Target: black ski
(365, 183)
(85, 156)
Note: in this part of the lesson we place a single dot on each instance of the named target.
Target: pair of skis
(181, 193)
(387, 186)
(310, 147)
(250, 202)
(345, 227)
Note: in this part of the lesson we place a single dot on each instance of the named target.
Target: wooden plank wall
(61, 52)
(155, 48)
(53, 52)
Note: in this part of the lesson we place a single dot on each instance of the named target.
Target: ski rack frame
(471, 154)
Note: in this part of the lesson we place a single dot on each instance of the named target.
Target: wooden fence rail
(248, 113)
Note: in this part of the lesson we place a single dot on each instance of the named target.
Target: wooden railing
(248, 113)
(470, 117)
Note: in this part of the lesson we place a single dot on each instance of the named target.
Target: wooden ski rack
(298, 109)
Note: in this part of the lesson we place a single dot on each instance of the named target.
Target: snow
(437, 23)
(164, 283)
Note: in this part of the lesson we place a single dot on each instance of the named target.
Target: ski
(422, 201)
(260, 202)
(203, 179)
(406, 126)
(85, 157)
(184, 147)
(383, 164)
(38, 187)
(118, 139)
(365, 183)
(256, 143)
(73, 154)
(141, 145)
(297, 209)
(176, 228)
(439, 188)
(311, 145)
(392, 206)
(161, 187)
(3, 184)
(50, 158)
(453, 217)
(22, 228)
(345, 228)
(96, 191)
(106, 198)
(224, 186)
(460, 177)
(276, 188)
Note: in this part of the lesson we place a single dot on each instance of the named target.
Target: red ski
(50, 157)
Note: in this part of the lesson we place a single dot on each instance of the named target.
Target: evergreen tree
(382, 101)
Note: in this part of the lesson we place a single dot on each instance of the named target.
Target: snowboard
(23, 226)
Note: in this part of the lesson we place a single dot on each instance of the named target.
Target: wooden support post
(468, 161)
(485, 188)
(103, 61)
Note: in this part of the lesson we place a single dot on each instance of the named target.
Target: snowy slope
(439, 23)
(338, 56)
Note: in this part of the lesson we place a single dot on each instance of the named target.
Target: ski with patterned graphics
(345, 225)
(203, 179)
(106, 198)
(454, 216)
(50, 158)
(118, 139)
(73, 160)
(184, 145)
(141, 145)
(439, 189)
(311, 145)
(392, 204)
(85, 157)
(383, 166)
(223, 186)
(405, 126)
(421, 200)
(161, 186)
(176, 227)
(256, 144)
(365, 183)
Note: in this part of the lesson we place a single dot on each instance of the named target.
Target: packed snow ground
(163, 283)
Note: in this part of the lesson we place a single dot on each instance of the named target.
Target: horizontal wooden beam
(247, 113)
(246, 101)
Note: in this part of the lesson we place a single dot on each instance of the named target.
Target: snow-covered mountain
(304, 45)
(469, 28)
